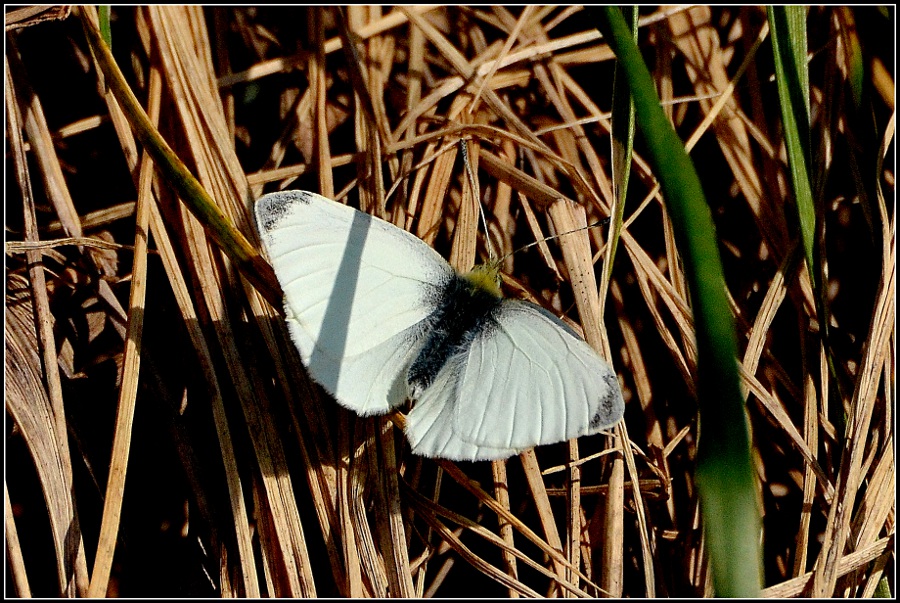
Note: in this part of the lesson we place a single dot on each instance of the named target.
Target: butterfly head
(485, 277)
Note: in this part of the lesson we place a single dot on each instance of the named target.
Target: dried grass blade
(214, 157)
(14, 550)
(347, 492)
(433, 204)
(467, 72)
(260, 273)
(510, 40)
(430, 511)
(463, 251)
(544, 510)
(316, 70)
(185, 302)
(393, 537)
(115, 486)
(849, 480)
(458, 476)
(501, 493)
(38, 407)
(796, 587)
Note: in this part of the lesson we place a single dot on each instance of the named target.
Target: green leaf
(725, 477)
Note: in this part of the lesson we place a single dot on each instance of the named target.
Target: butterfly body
(466, 309)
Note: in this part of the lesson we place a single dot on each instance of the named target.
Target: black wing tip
(611, 408)
(280, 200)
(271, 208)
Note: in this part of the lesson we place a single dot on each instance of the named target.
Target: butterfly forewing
(357, 291)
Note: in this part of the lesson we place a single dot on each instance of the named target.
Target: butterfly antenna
(464, 150)
(602, 222)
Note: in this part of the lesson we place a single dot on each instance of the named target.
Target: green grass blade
(788, 26)
(622, 147)
(178, 176)
(105, 31)
(856, 70)
(725, 476)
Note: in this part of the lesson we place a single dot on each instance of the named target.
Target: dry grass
(166, 368)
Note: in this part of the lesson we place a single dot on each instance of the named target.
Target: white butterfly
(380, 317)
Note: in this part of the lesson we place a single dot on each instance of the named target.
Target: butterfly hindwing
(429, 424)
(525, 380)
(530, 380)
